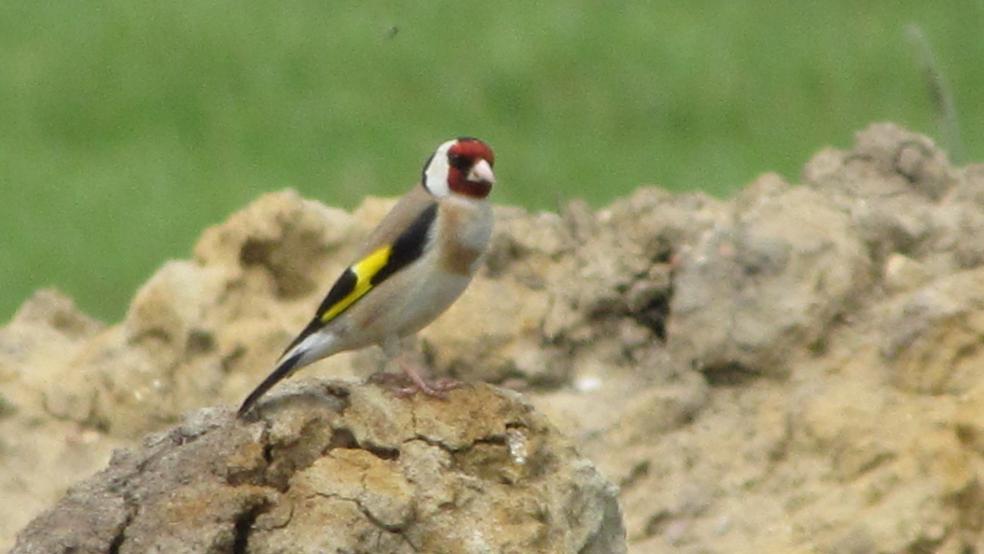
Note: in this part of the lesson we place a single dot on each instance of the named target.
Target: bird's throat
(473, 189)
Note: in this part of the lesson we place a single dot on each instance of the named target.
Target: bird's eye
(457, 160)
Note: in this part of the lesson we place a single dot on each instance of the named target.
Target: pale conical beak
(481, 172)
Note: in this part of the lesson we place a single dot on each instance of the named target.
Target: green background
(128, 126)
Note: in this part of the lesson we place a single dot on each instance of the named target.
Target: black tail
(283, 370)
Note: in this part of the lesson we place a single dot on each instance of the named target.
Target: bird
(413, 266)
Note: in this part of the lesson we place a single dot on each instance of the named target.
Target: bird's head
(462, 167)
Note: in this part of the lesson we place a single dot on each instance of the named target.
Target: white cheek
(437, 171)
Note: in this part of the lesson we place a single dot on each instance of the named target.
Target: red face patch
(464, 154)
(472, 150)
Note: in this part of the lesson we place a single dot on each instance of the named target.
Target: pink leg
(411, 381)
(437, 389)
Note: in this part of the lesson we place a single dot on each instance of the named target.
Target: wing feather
(359, 278)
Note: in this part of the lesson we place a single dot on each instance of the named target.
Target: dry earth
(797, 369)
(331, 467)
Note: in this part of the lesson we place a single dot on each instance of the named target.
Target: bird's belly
(430, 300)
(398, 310)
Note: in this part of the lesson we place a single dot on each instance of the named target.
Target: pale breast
(464, 230)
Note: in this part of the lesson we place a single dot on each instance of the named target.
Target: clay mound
(795, 369)
(330, 467)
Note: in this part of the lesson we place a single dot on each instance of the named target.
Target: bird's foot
(436, 389)
(406, 385)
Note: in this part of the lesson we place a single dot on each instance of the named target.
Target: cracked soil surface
(331, 467)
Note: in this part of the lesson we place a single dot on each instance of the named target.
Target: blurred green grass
(126, 127)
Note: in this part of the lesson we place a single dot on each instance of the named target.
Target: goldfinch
(414, 265)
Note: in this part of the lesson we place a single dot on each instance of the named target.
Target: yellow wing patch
(364, 270)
